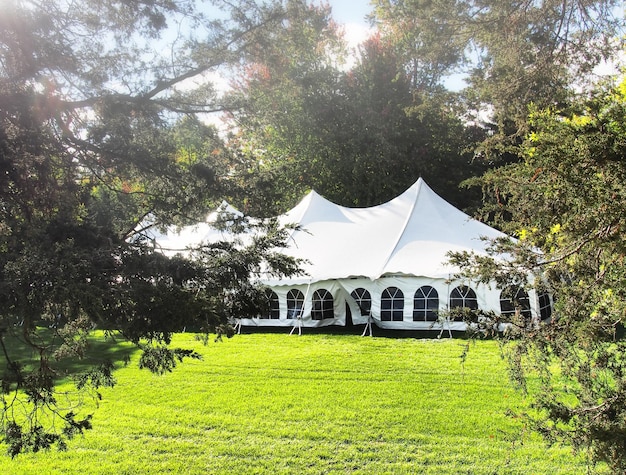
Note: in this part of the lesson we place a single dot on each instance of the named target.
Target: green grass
(314, 404)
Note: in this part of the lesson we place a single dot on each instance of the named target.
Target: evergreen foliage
(97, 135)
(565, 202)
(511, 53)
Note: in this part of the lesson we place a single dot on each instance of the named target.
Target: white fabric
(488, 298)
(409, 235)
(176, 240)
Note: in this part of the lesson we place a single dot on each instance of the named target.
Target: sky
(351, 14)
(350, 11)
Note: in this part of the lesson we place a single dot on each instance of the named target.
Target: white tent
(175, 240)
(385, 265)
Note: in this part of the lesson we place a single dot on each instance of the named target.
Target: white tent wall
(487, 297)
(305, 316)
(408, 285)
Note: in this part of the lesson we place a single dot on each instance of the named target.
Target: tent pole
(298, 324)
(301, 312)
(368, 325)
(446, 321)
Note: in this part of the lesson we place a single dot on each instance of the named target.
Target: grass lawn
(313, 404)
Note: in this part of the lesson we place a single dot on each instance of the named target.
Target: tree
(510, 53)
(284, 89)
(90, 146)
(359, 137)
(390, 135)
(565, 203)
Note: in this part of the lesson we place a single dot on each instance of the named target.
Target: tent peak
(314, 195)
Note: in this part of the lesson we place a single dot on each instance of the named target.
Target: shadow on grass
(100, 348)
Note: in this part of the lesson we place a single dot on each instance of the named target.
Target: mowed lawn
(311, 404)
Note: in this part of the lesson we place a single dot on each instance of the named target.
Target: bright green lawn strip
(312, 404)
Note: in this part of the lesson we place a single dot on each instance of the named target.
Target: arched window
(295, 303)
(274, 305)
(323, 306)
(545, 306)
(363, 299)
(513, 298)
(463, 296)
(425, 304)
(392, 305)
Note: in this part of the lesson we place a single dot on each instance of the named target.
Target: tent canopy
(175, 240)
(409, 235)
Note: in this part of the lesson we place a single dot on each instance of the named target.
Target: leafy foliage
(565, 203)
(359, 136)
(510, 53)
(161, 359)
(97, 132)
